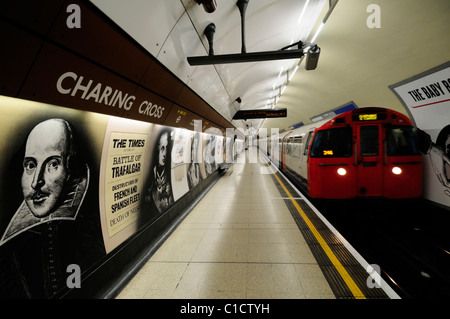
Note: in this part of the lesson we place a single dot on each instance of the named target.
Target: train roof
(368, 115)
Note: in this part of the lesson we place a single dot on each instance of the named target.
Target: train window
(401, 141)
(336, 142)
(308, 140)
(369, 140)
(288, 146)
(296, 146)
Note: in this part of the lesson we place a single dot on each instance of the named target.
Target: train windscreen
(401, 141)
(336, 142)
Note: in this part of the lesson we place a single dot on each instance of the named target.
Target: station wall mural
(75, 185)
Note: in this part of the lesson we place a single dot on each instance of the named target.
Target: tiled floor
(240, 241)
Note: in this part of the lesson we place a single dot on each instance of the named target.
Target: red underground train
(367, 152)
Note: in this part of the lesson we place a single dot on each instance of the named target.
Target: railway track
(406, 239)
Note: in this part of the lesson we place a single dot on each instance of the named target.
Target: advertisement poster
(219, 149)
(426, 97)
(49, 215)
(180, 148)
(123, 179)
(209, 154)
(196, 167)
(158, 194)
(180, 158)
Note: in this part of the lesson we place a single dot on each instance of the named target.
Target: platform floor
(240, 241)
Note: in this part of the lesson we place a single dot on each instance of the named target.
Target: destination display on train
(259, 114)
(369, 117)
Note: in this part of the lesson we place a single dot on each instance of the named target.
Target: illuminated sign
(368, 117)
(259, 114)
(327, 152)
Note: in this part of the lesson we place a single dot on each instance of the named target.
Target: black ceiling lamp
(312, 52)
(243, 56)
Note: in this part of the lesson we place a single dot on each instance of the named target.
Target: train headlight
(396, 170)
(342, 171)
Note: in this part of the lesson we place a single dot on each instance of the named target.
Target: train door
(283, 154)
(370, 160)
(283, 151)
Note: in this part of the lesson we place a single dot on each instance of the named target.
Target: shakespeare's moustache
(36, 195)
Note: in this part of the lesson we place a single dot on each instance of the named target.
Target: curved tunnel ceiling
(357, 63)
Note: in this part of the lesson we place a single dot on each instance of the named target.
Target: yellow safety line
(357, 293)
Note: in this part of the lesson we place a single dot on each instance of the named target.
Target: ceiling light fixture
(243, 56)
(291, 74)
(303, 12)
(317, 32)
(333, 4)
(281, 71)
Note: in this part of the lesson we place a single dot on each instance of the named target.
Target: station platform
(252, 236)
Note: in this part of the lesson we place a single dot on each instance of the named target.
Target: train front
(368, 152)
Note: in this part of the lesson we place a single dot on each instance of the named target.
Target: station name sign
(259, 114)
(75, 85)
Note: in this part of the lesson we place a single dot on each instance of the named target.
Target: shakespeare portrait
(54, 181)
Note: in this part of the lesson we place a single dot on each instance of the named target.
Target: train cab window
(336, 142)
(369, 140)
(401, 141)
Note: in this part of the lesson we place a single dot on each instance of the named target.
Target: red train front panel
(367, 152)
